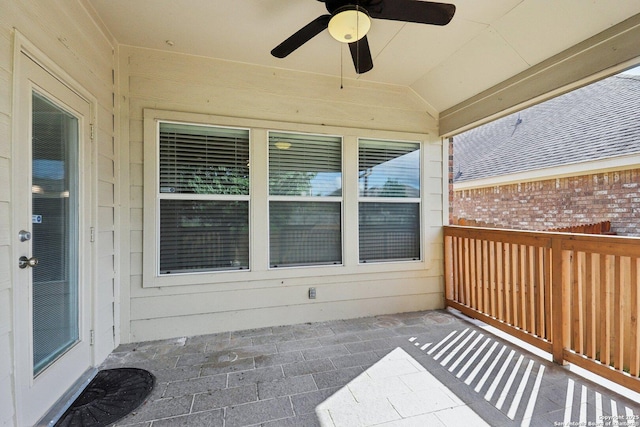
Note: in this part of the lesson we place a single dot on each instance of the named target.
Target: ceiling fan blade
(301, 36)
(361, 55)
(421, 12)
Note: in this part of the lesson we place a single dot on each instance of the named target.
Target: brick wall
(553, 203)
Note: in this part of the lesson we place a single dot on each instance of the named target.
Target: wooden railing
(575, 296)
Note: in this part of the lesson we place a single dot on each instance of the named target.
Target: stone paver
(410, 369)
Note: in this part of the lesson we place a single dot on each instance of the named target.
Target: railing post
(448, 267)
(559, 304)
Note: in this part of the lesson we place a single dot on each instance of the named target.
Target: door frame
(24, 50)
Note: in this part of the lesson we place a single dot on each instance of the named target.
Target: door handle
(25, 262)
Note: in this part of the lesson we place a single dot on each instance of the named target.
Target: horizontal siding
(5, 311)
(5, 267)
(5, 177)
(5, 125)
(6, 403)
(231, 89)
(6, 374)
(276, 295)
(277, 316)
(64, 31)
(296, 102)
(284, 85)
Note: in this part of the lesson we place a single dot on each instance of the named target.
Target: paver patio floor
(414, 369)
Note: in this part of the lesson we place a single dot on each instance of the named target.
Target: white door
(51, 196)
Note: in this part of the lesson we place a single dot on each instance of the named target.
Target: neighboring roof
(594, 122)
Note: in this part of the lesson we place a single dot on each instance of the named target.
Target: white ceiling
(487, 41)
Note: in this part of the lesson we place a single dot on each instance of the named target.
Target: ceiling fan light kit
(349, 22)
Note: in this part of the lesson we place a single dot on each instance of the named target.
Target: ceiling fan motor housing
(349, 24)
(371, 6)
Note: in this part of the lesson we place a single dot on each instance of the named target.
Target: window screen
(303, 233)
(305, 199)
(204, 198)
(389, 203)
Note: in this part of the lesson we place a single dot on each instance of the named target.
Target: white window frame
(152, 197)
(160, 196)
(303, 199)
(143, 267)
(418, 200)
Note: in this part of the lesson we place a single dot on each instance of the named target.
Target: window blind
(203, 159)
(304, 233)
(305, 165)
(305, 208)
(389, 204)
(389, 231)
(204, 198)
(203, 236)
(388, 169)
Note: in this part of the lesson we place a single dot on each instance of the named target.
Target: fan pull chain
(341, 78)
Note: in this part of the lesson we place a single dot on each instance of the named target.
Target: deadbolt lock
(24, 235)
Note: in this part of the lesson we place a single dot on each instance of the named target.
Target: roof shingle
(594, 122)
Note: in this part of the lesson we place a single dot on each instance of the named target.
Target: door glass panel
(54, 230)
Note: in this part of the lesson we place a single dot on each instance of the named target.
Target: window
(305, 199)
(306, 202)
(203, 193)
(389, 202)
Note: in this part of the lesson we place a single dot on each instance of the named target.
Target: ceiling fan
(349, 21)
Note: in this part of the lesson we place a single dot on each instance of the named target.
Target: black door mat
(110, 396)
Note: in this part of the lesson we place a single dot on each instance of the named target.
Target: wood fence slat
(531, 261)
(452, 268)
(605, 310)
(449, 280)
(499, 281)
(540, 284)
(547, 294)
(515, 307)
(465, 272)
(634, 326)
(523, 281)
(492, 279)
(558, 274)
(508, 285)
(479, 288)
(617, 335)
(590, 307)
(565, 303)
(460, 265)
(472, 273)
(485, 277)
(577, 304)
(460, 261)
(506, 278)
